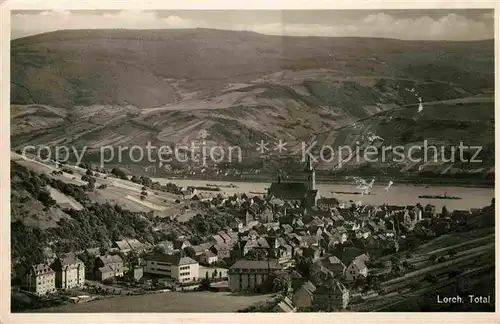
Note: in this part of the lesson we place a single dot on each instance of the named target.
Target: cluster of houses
(291, 221)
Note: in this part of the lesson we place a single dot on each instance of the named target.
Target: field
(118, 191)
(188, 302)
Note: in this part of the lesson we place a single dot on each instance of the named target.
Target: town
(251, 161)
(313, 253)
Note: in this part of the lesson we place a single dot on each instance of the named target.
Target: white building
(70, 272)
(40, 279)
(209, 257)
(357, 268)
(180, 268)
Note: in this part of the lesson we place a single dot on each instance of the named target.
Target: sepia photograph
(252, 161)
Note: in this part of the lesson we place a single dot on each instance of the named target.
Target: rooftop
(176, 259)
(106, 259)
(256, 264)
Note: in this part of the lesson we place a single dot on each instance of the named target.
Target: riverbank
(466, 183)
(398, 194)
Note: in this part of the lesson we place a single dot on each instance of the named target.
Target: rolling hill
(122, 87)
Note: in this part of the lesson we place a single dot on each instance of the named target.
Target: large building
(40, 279)
(300, 190)
(108, 266)
(247, 275)
(70, 272)
(180, 268)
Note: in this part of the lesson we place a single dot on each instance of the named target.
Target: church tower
(311, 174)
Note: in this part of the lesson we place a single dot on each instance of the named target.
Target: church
(301, 190)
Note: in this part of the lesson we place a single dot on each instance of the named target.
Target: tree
(214, 274)
(109, 281)
(119, 173)
(205, 282)
(304, 266)
(281, 282)
(256, 254)
(159, 249)
(190, 252)
(45, 198)
(88, 260)
(91, 183)
(89, 173)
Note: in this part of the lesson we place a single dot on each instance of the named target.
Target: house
(284, 251)
(332, 295)
(70, 272)
(178, 267)
(216, 239)
(336, 266)
(338, 220)
(108, 266)
(357, 268)
(181, 244)
(202, 248)
(315, 224)
(284, 306)
(287, 228)
(234, 236)
(136, 245)
(208, 257)
(227, 239)
(40, 279)
(136, 273)
(303, 297)
(245, 245)
(267, 216)
(247, 275)
(327, 203)
(122, 246)
(222, 250)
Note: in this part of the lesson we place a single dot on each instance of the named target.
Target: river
(402, 194)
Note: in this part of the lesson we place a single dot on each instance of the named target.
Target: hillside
(123, 87)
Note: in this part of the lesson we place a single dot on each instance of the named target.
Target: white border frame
(219, 318)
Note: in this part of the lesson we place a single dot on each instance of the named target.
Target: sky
(411, 24)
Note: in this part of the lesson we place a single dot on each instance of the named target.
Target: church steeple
(308, 164)
(311, 174)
